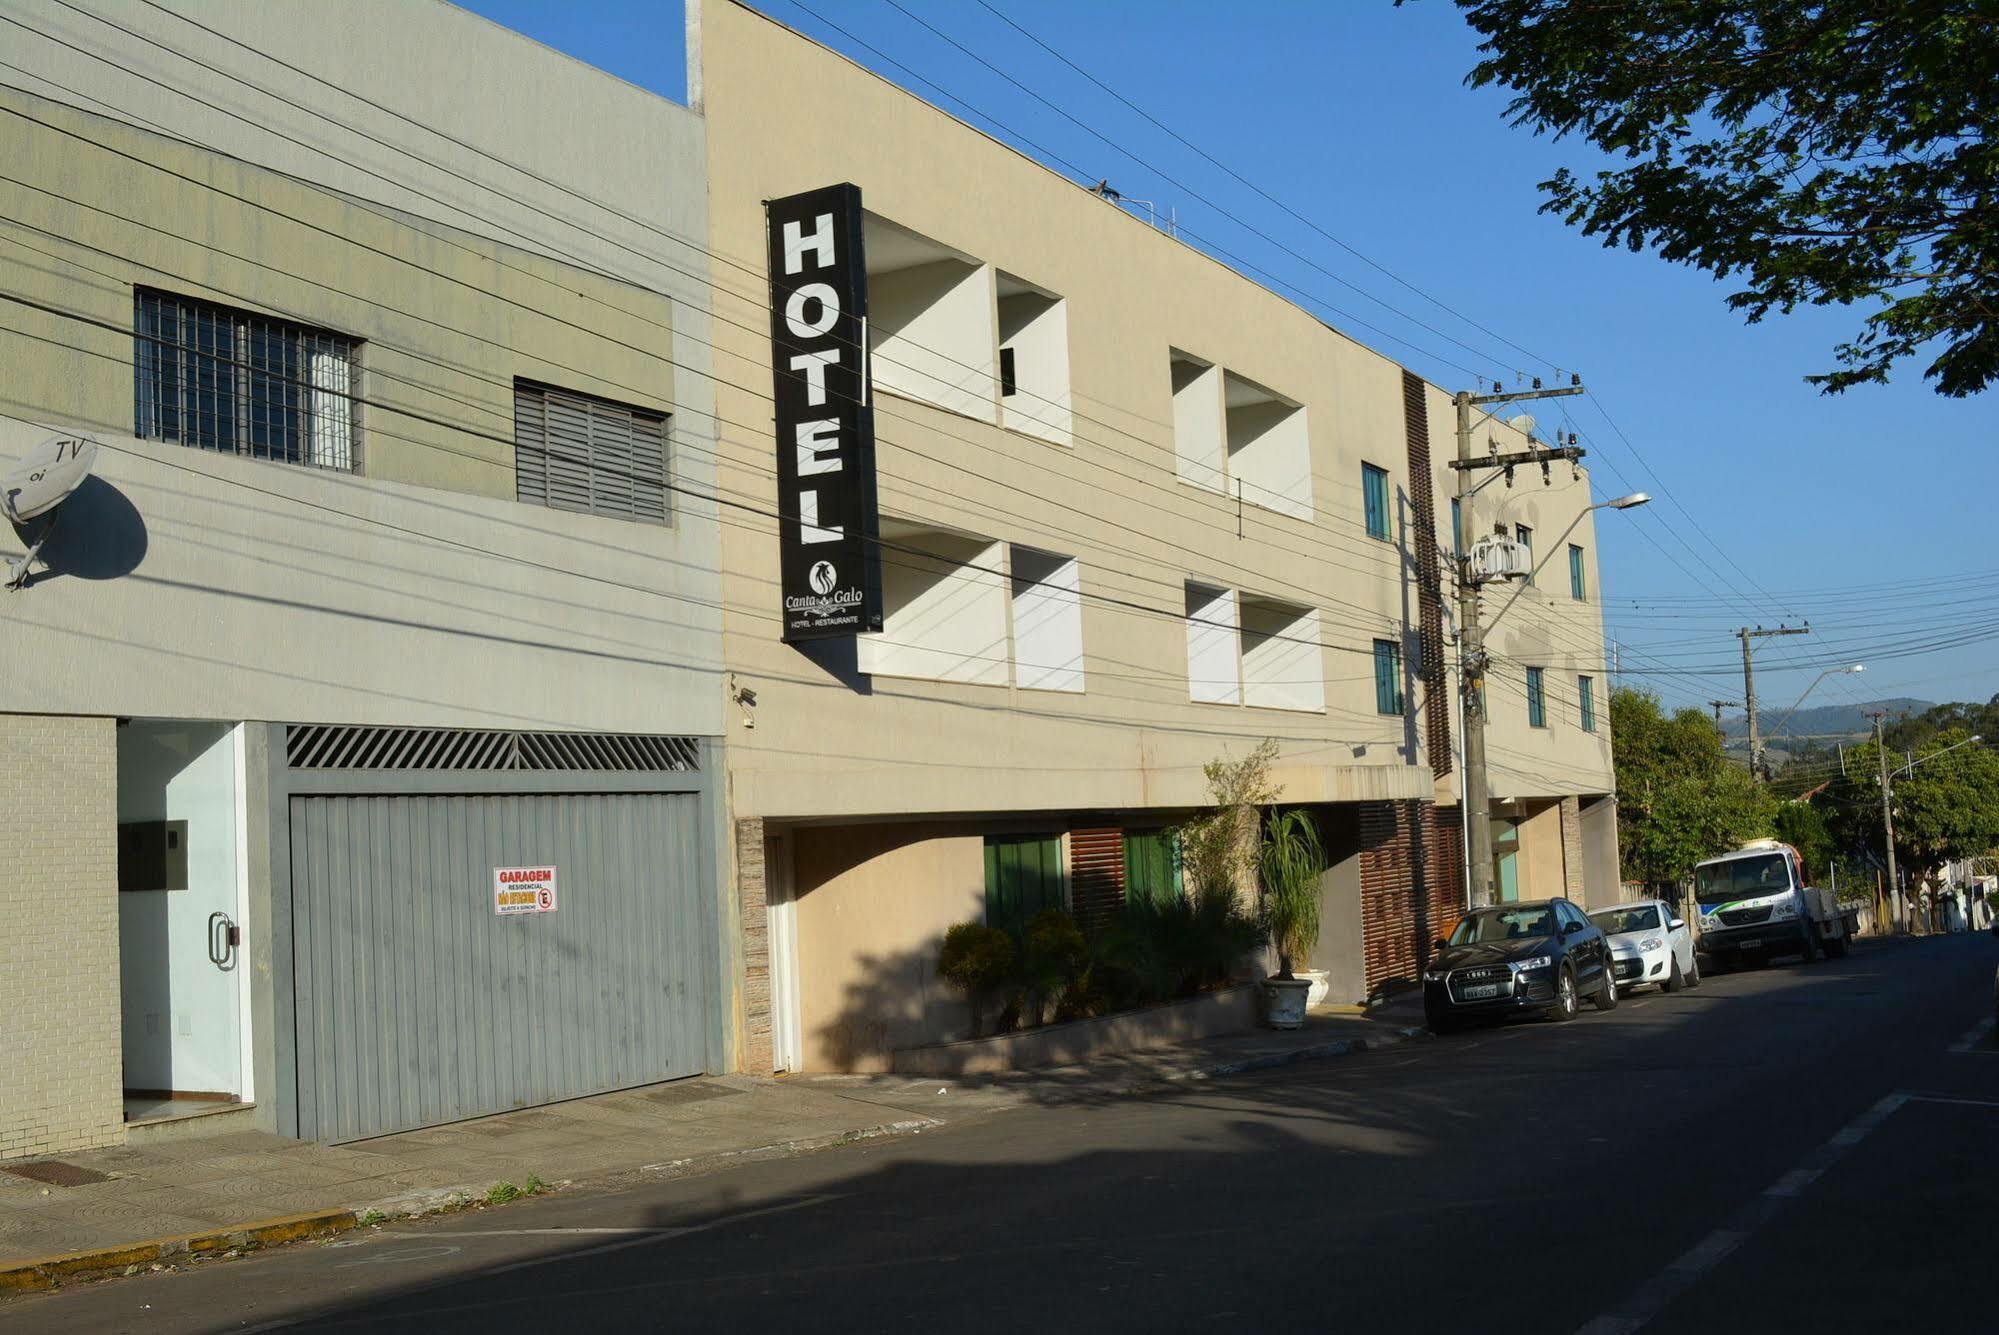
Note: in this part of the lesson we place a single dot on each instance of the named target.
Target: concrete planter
(1229, 1011)
(1284, 1002)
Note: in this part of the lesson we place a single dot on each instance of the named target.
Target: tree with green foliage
(1946, 808)
(1821, 152)
(1679, 799)
(1803, 827)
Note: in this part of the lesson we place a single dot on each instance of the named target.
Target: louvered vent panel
(333, 746)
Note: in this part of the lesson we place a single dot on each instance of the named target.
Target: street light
(1756, 760)
(1630, 502)
(1934, 754)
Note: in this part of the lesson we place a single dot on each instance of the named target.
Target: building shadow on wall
(892, 1000)
(96, 534)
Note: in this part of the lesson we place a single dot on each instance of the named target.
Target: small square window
(1525, 537)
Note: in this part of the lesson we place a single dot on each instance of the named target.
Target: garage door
(417, 1003)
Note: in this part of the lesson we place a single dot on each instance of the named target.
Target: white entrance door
(786, 1043)
(181, 959)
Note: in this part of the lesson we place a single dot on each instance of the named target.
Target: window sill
(903, 396)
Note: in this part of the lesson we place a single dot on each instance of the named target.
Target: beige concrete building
(1137, 513)
(362, 718)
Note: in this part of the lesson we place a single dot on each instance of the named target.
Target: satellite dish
(34, 489)
(1524, 423)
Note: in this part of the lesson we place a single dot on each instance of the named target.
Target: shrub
(977, 960)
(1052, 958)
(1288, 865)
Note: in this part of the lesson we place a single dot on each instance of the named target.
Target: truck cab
(1753, 904)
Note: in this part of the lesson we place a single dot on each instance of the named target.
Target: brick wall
(61, 1051)
(1411, 887)
(1575, 884)
(751, 905)
(1431, 671)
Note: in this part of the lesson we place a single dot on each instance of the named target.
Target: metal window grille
(339, 746)
(576, 452)
(222, 379)
(1374, 492)
(1387, 677)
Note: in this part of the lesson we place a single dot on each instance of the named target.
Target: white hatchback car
(1649, 945)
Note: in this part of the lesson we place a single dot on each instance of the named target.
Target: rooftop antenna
(32, 494)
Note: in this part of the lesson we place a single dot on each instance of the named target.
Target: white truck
(1754, 904)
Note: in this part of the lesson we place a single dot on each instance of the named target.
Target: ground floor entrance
(459, 949)
(182, 900)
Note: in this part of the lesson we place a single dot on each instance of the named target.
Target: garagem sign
(829, 563)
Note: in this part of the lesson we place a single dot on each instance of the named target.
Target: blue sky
(1772, 500)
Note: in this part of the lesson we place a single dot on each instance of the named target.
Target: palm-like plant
(1289, 862)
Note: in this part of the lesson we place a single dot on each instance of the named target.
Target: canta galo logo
(824, 577)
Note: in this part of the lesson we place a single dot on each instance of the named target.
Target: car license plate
(1481, 992)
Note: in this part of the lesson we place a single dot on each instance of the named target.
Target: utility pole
(1749, 690)
(1888, 823)
(1471, 634)
(1720, 705)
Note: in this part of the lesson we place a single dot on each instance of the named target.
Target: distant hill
(1826, 722)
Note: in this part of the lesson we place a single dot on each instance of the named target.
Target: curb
(1339, 1047)
(47, 1272)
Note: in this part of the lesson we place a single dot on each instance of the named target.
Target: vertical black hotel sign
(829, 563)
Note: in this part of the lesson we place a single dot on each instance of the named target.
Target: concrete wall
(1543, 870)
(873, 905)
(785, 115)
(60, 1084)
(1341, 950)
(1601, 880)
(214, 586)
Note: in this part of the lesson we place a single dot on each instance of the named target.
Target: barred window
(577, 452)
(223, 379)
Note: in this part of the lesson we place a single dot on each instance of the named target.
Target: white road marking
(1962, 1103)
(1793, 1182)
(1978, 1038)
(1652, 1297)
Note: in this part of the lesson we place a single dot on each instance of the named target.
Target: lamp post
(1756, 755)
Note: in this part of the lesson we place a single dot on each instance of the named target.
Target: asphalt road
(1794, 1148)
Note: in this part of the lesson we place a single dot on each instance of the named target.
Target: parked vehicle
(1754, 904)
(1534, 958)
(1649, 945)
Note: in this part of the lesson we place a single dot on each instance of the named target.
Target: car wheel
(1811, 950)
(1440, 1024)
(1565, 996)
(1694, 978)
(1674, 982)
(1836, 948)
(1606, 996)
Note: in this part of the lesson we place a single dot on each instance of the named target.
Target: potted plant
(1289, 862)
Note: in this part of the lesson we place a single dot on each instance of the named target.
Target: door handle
(224, 936)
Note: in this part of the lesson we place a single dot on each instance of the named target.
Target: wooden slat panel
(1096, 875)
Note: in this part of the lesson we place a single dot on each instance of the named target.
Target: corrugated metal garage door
(417, 1004)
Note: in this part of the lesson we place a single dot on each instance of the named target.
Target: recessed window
(1033, 360)
(1283, 659)
(229, 380)
(579, 452)
(1525, 537)
(1457, 527)
(1047, 621)
(1387, 677)
(1214, 668)
(1374, 500)
(1537, 701)
(944, 601)
(1269, 453)
(1578, 586)
(930, 311)
(1586, 702)
(1199, 452)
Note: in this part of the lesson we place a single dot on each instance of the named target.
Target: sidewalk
(161, 1203)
